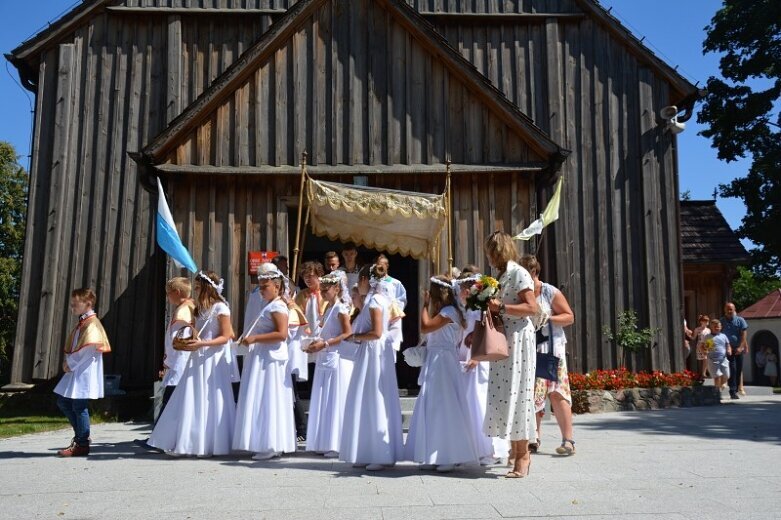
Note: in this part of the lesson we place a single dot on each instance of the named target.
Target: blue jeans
(77, 412)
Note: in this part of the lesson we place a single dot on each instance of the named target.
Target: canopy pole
(303, 236)
(449, 214)
(298, 222)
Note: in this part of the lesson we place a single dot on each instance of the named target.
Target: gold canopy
(400, 222)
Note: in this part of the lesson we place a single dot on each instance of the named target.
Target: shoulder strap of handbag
(550, 336)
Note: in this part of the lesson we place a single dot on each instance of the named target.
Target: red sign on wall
(255, 258)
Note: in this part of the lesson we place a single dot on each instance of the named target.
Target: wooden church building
(219, 98)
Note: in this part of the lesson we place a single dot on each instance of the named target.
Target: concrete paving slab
(679, 464)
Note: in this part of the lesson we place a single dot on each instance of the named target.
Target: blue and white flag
(167, 236)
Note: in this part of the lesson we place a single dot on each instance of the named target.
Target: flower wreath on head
(219, 287)
(380, 285)
(340, 278)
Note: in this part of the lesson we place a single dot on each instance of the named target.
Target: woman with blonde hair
(551, 340)
(510, 412)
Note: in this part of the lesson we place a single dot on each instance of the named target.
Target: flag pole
(294, 274)
(449, 214)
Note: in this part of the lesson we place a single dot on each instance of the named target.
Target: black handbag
(547, 364)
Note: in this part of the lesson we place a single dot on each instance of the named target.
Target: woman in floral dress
(555, 307)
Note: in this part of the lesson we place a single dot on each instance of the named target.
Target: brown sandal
(566, 450)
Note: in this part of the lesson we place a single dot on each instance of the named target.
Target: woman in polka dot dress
(510, 412)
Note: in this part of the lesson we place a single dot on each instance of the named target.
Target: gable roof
(706, 237)
(688, 93)
(89, 8)
(280, 32)
(65, 24)
(767, 307)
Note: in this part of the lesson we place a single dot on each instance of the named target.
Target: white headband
(437, 281)
(269, 271)
(217, 286)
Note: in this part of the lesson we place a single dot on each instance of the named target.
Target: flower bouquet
(488, 340)
(482, 290)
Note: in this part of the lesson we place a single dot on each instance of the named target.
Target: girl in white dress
(510, 413)
(326, 406)
(475, 377)
(264, 415)
(371, 433)
(441, 431)
(200, 415)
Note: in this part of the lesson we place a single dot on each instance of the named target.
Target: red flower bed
(623, 378)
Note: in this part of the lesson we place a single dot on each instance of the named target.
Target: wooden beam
(500, 17)
(192, 10)
(359, 169)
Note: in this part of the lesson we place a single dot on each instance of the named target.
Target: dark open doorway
(405, 269)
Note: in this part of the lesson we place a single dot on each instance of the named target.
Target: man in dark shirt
(734, 327)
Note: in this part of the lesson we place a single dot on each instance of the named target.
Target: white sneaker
(445, 468)
(266, 455)
(174, 454)
(375, 467)
(331, 454)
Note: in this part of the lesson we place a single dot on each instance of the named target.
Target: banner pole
(449, 212)
(298, 222)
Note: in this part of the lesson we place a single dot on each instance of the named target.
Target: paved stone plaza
(717, 462)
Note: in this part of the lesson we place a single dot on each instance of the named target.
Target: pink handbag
(488, 340)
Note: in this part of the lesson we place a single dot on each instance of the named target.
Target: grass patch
(25, 413)
(25, 424)
(13, 426)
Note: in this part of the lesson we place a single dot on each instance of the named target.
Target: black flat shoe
(144, 443)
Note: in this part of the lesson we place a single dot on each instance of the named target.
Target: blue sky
(673, 28)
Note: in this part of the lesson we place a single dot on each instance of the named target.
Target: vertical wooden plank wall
(102, 94)
(378, 118)
(615, 247)
(121, 78)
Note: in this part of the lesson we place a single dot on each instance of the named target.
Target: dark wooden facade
(502, 89)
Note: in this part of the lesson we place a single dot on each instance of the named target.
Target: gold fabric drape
(400, 222)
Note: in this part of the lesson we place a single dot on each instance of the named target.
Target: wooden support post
(296, 250)
(449, 215)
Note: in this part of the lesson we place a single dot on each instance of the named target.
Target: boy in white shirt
(83, 366)
(178, 291)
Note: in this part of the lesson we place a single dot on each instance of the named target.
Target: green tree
(749, 287)
(628, 335)
(742, 111)
(13, 211)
